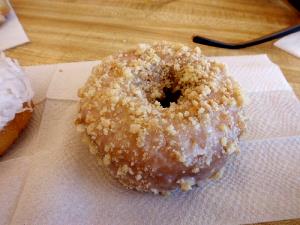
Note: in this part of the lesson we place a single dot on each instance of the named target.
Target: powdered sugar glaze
(15, 90)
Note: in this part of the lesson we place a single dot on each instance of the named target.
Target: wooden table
(69, 30)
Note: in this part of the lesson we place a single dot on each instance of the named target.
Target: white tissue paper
(49, 176)
(12, 33)
(290, 44)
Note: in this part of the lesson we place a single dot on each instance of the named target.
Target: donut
(161, 117)
(16, 105)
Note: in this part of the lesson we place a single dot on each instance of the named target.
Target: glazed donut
(15, 102)
(161, 117)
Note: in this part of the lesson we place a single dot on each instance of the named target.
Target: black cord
(295, 3)
(279, 34)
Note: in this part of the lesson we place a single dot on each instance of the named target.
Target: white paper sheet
(53, 179)
(12, 33)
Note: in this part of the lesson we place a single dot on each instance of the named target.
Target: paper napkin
(12, 33)
(49, 176)
(290, 44)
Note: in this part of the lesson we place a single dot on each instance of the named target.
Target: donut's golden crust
(12, 130)
(151, 148)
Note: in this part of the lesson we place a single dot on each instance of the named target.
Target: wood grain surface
(77, 30)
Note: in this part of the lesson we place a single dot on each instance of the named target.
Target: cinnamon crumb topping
(160, 106)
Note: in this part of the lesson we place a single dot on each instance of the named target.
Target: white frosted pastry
(15, 99)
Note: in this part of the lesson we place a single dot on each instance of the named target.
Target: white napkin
(49, 177)
(290, 44)
(12, 33)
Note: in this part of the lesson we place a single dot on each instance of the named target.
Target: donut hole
(168, 97)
